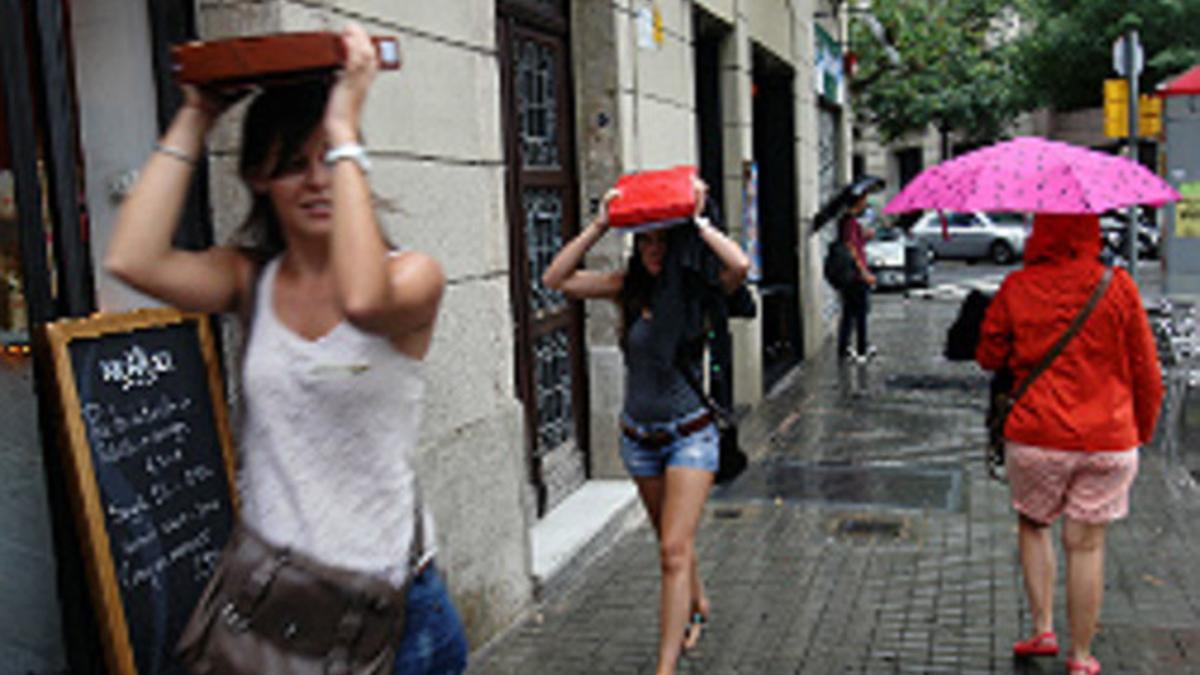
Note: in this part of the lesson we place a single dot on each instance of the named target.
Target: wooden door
(542, 215)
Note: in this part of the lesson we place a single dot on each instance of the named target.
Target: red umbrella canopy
(1186, 84)
(1033, 175)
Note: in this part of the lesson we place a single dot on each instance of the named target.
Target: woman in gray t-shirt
(668, 440)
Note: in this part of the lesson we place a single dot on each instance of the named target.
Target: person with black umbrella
(851, 202)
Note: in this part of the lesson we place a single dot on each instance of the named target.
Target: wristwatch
(351, 151)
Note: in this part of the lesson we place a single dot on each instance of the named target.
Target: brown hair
(277, 124)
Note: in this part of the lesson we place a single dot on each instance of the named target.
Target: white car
(999, 237)
(897, 260)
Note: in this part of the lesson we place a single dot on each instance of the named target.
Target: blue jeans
(434, 642)
(698, 450)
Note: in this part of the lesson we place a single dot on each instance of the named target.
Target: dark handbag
(962, 338)
(732, 459)
(271, 611)
(1004, 398)
(841, 270)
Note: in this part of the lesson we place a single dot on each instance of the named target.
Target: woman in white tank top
(339, 325)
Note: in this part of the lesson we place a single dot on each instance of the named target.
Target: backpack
(840, 268)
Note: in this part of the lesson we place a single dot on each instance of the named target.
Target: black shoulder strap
(713, 407)
(1061, 344)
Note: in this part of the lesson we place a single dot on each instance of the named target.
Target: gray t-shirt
(655, 391)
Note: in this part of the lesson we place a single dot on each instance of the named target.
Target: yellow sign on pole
(1116, 111)
(1150, 111)
(1116, 108)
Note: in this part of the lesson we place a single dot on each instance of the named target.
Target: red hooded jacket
(1104, 391)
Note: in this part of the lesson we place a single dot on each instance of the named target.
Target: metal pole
(1131, 72)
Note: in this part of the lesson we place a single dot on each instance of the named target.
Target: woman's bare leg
(682, 505)
(1038, 568)
(1084, 544)
(650, 489)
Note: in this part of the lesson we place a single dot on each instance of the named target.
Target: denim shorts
(698, 450)
(434, 642)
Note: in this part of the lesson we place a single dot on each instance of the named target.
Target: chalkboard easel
(150, 471)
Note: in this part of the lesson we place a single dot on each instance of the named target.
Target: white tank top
(327, 431)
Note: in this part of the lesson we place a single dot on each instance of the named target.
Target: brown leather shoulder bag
(271, 611)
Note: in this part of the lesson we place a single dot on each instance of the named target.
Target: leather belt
(660, 437)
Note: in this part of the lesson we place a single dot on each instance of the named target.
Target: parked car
(999, 237)
(1113, 231)
(897, 259)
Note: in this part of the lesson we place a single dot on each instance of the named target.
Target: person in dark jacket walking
(1072, 439)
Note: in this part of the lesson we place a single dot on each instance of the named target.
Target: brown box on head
(269, 59)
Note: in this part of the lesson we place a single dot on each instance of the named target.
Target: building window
(908, 164)
(537, 99)
(827, 153)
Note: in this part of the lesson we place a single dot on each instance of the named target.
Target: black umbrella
(845, 198)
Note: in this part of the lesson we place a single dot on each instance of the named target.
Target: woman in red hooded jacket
(1072, 439)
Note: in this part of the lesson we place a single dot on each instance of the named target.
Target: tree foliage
(946, 63)
(1068, 55)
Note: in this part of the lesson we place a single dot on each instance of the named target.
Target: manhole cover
(909, 487)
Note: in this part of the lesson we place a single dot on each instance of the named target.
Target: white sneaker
(870, 353)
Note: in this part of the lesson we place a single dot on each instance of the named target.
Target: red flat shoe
(1045, 644)
(1088, 666)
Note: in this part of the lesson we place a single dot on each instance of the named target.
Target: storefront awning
(1187, 84)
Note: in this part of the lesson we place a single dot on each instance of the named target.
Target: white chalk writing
(136, 368)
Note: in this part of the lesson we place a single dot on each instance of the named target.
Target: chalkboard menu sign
(151, 469)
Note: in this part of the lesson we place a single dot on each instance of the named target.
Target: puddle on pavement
(905, 487)
(930, 382)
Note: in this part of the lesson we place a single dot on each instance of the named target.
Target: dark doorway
(775, 153)
(709, 33)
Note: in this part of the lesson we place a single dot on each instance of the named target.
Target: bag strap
(721, 415)
(1061, 344)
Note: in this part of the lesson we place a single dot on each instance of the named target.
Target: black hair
(637, 290)
(277, 124)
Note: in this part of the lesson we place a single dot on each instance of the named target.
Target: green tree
(1067, 55)
(946, 63)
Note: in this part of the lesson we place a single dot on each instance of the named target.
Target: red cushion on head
(654, 198)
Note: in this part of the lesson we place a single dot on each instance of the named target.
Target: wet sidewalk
(867, 538)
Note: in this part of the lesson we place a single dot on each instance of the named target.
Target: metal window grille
(543, 235)
(552, 377)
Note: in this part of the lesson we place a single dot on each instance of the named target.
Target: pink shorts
(1090, 487)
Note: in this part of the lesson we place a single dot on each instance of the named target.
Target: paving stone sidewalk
(866, 538)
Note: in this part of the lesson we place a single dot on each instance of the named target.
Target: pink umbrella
(1033, 175)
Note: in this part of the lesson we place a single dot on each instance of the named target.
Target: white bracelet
(175, 152)
(354, 152)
